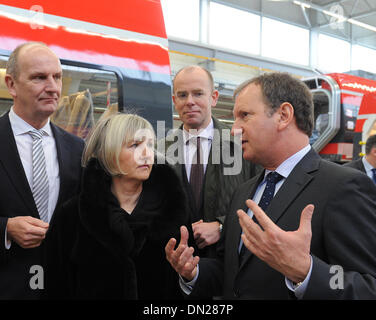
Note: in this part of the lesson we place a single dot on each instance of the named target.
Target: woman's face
(137, 157)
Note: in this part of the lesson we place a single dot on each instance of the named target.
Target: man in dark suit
(36, 177)
(280, 253)
(367, 164)
(223, 167)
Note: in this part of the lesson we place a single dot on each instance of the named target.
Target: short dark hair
(280, 87)
(12, 63)
(370, 143)
(191, 68)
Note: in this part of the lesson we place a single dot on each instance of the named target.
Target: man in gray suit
(223, 167)
(367, 164)
(280, 253)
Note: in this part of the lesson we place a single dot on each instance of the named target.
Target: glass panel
(285, 42)
(333, 54)
(229, 28)
(86, 95)
(182, 18)
(321, 113)
(363, 59)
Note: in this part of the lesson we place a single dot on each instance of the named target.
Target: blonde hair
(108, 137)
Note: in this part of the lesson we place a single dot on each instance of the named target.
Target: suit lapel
(295, 183)
(256, 181)
(12, 165)
(63, 156)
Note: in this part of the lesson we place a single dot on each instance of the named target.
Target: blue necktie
(271, 180)
(374, 175)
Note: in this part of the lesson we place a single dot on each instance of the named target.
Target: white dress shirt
(206, 138)
(368, 167)
(24, 144)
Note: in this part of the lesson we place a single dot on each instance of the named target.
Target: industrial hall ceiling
(353, 20)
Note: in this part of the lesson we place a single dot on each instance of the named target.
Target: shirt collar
(20, 126)
(285, 168)
(206, 133)
(367, 165)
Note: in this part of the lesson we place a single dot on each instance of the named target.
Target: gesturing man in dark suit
(40, 167)
(367, 164)
(280, 253)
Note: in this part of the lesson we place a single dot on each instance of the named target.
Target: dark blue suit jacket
(343, 233)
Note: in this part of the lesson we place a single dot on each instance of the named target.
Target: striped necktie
(40, 179)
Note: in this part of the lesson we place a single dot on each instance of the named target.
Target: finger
(37, 222)
(264, 221)
(246, 222)
(169, 248)
(201, 243)
(28, 244)
(37, 231)
(306, 218)
(197, 222)
(184, 264)
(248, 243)
(183, 235)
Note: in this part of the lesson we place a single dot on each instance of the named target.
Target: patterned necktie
(197, 174)
(40, 179)
(271, 180)
(374, 175)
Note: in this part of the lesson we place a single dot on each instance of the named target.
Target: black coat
(98, 251)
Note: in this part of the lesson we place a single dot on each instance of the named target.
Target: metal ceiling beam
(357, 16)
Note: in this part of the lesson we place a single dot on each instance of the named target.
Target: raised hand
(285, 251)
(182, 259)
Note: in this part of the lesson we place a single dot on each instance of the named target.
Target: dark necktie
(271, 180)
(197, 174)
(374, 175)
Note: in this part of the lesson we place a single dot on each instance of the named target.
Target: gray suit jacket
(218, 188)
(343, 233)
(356, 164)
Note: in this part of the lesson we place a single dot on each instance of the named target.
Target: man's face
(193, 98)
(37, 88)
(258, 128)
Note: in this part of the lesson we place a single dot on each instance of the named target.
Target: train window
(86, 95)
(321, 113)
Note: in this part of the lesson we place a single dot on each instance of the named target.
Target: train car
(114, 56)
(345, 114)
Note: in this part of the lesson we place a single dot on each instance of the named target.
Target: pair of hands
(286, 251)
(26, 231)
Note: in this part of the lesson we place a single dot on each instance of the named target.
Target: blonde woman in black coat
(103, 242)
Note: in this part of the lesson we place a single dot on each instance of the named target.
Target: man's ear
(9, 81)
(286, 113)
(215, 96)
